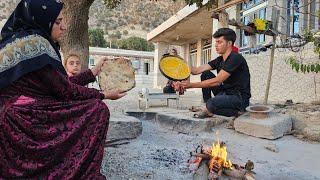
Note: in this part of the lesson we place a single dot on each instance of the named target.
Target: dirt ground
(162, 154)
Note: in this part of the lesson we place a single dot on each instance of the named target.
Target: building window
(206, 51)
(244, 39)
(250, 4)
(146, 68)
(91, 61)
(206, 55)
(293, 17)
(193, 59)
(312, 17)
(193, 55)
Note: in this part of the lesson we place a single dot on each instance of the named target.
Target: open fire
(212, 163)
(219, 157)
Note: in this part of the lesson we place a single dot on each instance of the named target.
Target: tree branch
(249, 29)
(227, 5)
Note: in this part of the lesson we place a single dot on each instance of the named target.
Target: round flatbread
(117, 74)
(174, 68)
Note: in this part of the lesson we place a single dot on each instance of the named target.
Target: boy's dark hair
(227, 33)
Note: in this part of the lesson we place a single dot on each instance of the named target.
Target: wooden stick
(202, 172)
(116, 140)
(204, 156)
(235, 173)
(266, 95)
(227, 5)
(116, 144)
(223, 15)
(241, 26)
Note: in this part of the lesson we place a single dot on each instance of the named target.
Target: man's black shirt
(239, 79)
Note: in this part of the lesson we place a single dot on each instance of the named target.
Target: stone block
(124, 127)
(272, 127)
(185, 124)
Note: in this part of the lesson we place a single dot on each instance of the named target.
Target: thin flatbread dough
(117, 74)
(174, 68)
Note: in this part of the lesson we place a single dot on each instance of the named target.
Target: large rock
(312, 133)
(273, 127)
(306, 123)
(124, 127)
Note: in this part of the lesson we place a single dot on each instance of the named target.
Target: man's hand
(114, 94)
(97, 68)
(176, 85)
(185, 84)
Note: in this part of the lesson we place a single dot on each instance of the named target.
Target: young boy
(72, 65)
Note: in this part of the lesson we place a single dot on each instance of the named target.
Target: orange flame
(219, 155)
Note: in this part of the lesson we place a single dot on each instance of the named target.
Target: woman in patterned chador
(51, 127)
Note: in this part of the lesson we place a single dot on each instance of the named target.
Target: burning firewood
(213, 163)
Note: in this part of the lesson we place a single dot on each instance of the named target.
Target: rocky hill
(132, 17)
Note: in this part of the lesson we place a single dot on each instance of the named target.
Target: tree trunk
(223, 15)
(76, 40)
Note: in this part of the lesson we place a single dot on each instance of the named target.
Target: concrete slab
(177, 120)
(122, 127)
(274, 126)
(183, 123)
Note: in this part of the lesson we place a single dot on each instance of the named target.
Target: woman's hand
(113, 94)
(97, 68)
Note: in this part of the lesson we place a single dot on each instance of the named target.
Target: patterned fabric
(26, 43)
(51, 128)
(23, 49)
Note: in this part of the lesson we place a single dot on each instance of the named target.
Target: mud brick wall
(286, 83)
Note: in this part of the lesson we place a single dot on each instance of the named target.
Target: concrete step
(178, 120)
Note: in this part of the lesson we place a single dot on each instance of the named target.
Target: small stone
(272, 147)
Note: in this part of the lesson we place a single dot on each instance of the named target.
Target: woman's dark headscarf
(26, 43)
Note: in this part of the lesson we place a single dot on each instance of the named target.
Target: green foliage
(304, 68)
(136, 43)
(317, 49)
(96, 38)
(115, 36)
(308, 35)
(313, 37)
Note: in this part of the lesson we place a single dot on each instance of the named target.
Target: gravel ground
(162, 154)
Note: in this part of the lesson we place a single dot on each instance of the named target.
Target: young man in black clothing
(231, 86)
